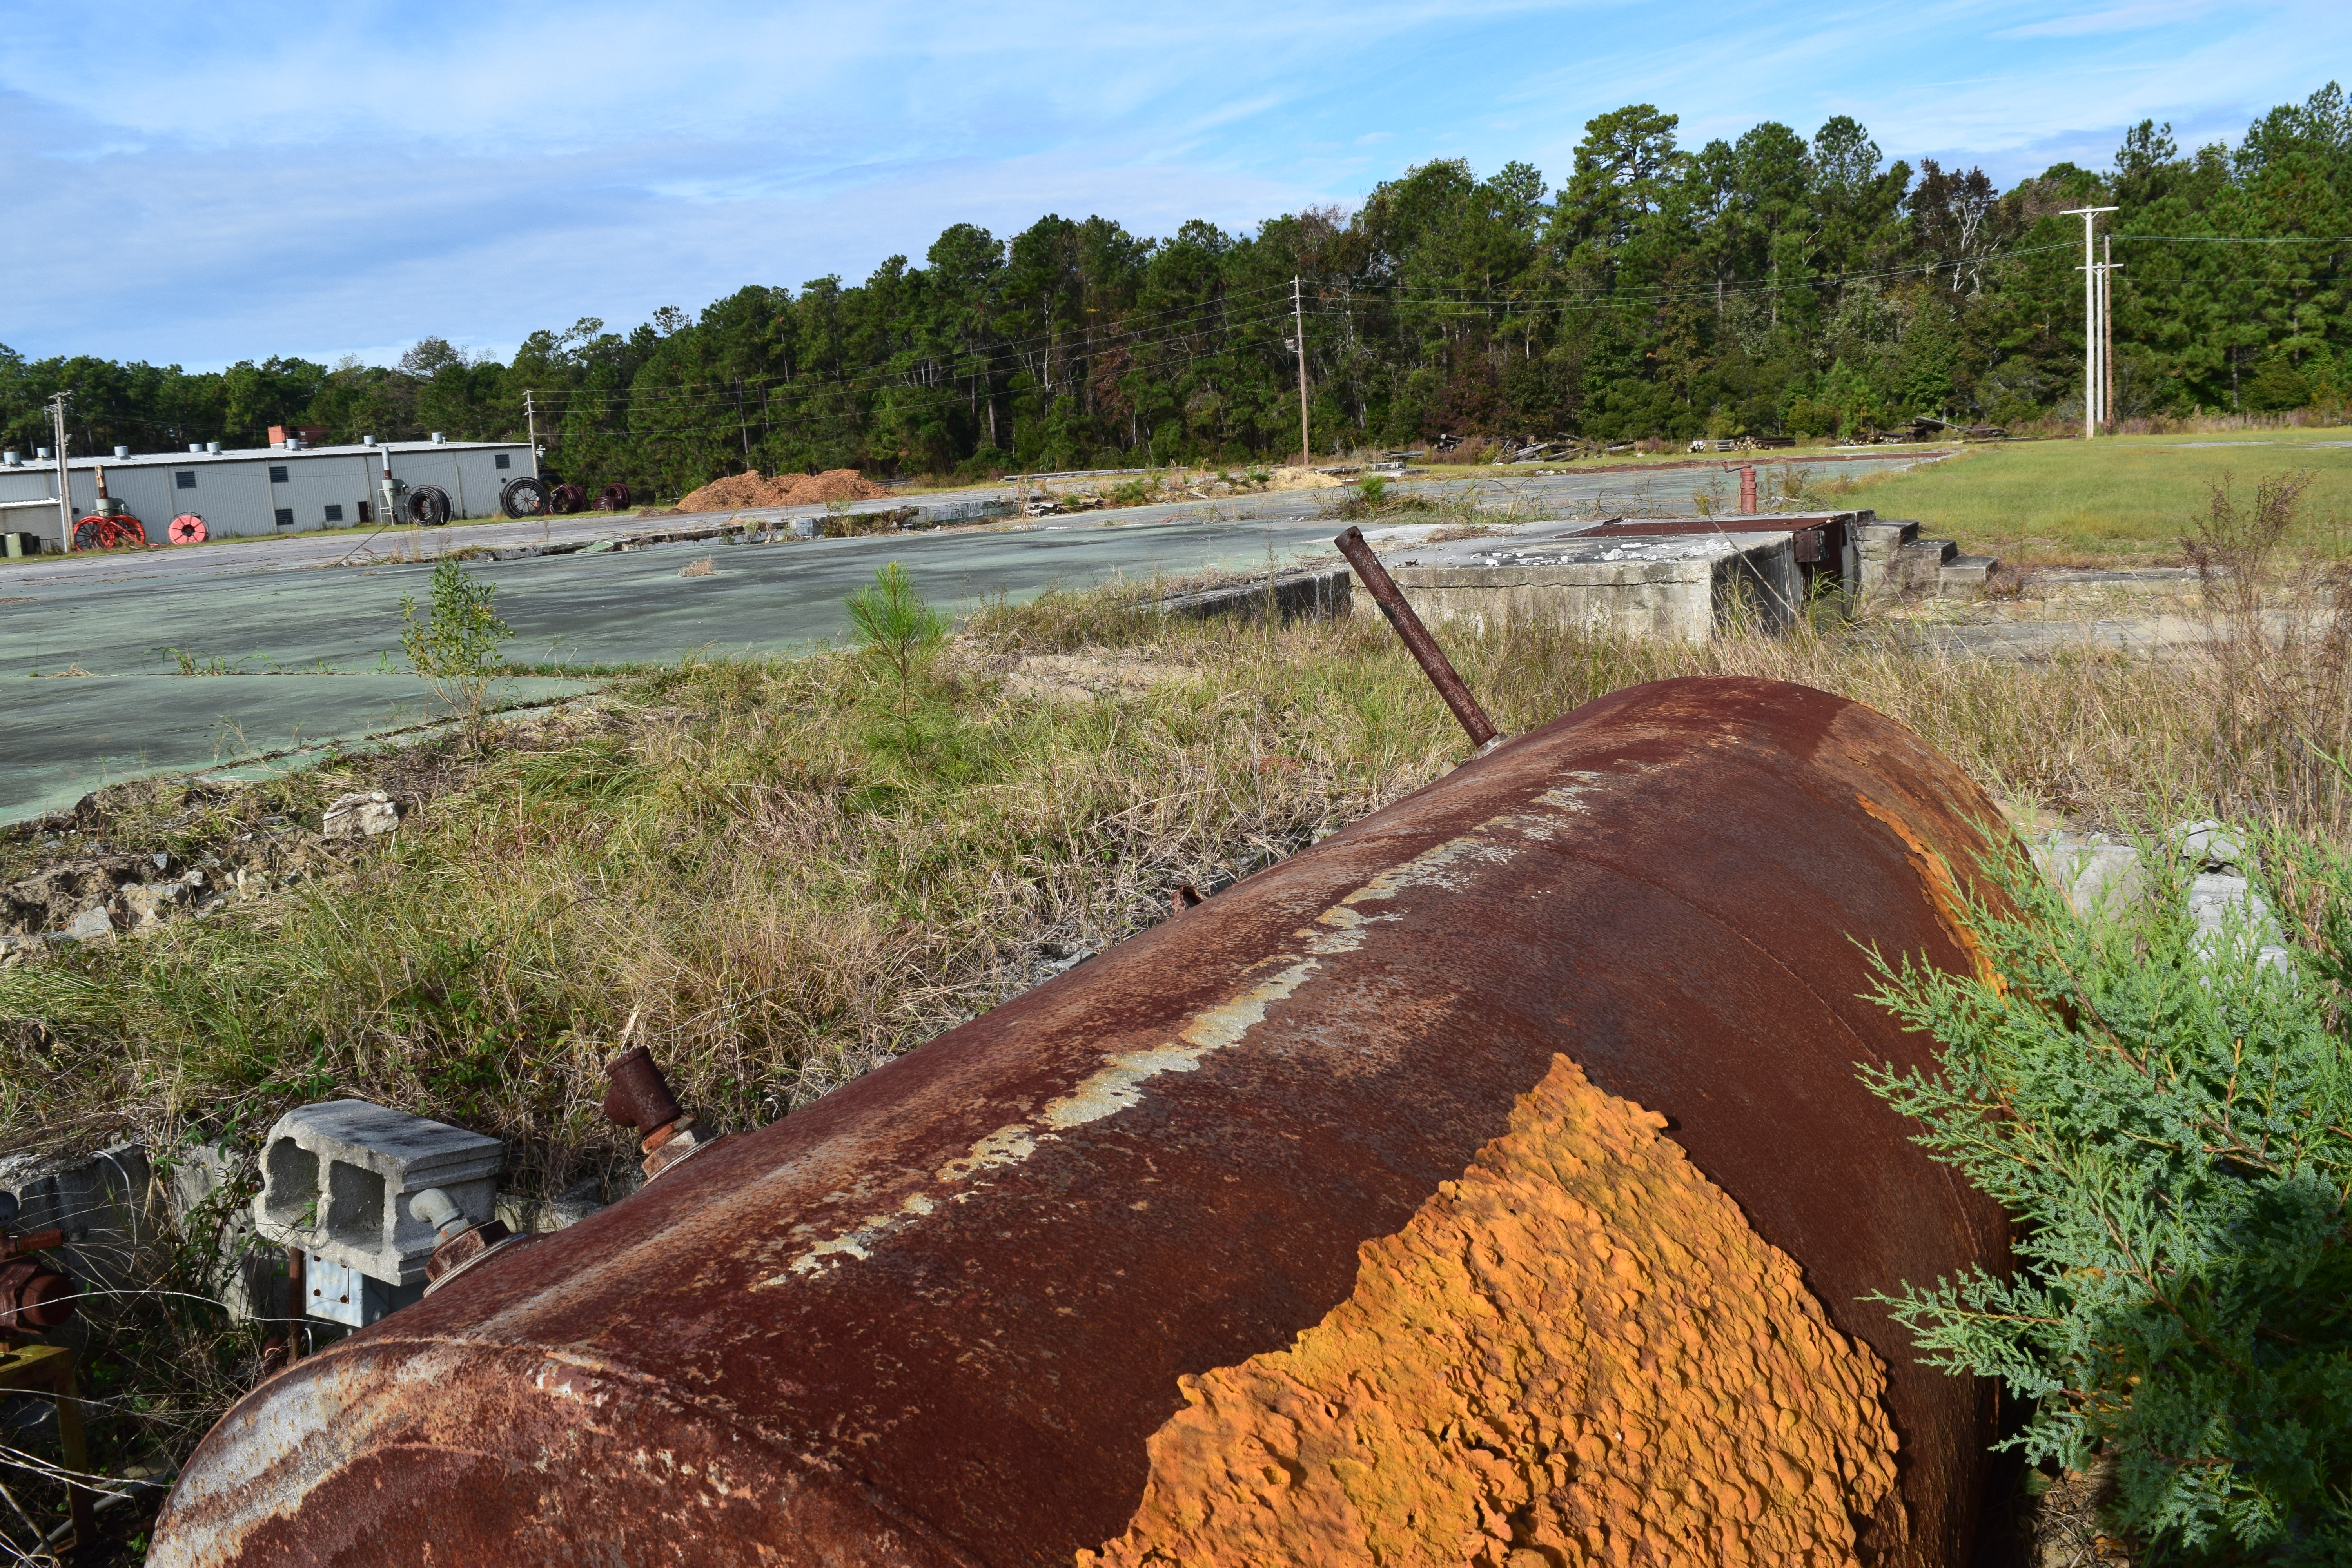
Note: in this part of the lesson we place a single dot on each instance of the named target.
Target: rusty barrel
(1488, 1182)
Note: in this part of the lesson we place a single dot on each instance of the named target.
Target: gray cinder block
(337, 1176)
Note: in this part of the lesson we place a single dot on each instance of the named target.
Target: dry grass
(796, 869)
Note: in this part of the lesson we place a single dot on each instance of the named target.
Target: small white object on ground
(362, 814)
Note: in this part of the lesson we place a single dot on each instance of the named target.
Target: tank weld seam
(1121, 1081)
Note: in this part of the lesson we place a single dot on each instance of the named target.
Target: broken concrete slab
(2097, 873)
(1314, 592)
(143, 905)
(337, 1177)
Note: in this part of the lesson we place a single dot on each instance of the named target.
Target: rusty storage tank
(1489, 1183)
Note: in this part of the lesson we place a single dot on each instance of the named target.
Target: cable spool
(523, 497)
(428, 504)
(110, 531)
(613, 497)
(186, 528)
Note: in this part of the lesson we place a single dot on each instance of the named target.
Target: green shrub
(2164, 1115)
(455, 644)
(893, 622)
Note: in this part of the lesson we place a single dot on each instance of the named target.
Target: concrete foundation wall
(1686, 599)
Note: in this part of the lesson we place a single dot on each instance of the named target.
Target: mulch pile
(738, 492)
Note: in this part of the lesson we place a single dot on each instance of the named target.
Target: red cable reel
(186, 529)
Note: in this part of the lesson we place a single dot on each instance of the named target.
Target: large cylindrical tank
(1491, 1182)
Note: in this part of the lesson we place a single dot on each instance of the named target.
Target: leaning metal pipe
(1417, 640)
(1490, 1183)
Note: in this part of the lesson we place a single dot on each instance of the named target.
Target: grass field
(2122, 498)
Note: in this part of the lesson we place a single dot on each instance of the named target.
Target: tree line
(1771, 285)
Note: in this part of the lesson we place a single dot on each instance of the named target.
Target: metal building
(262, 489)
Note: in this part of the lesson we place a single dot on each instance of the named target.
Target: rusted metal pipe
(1001, 1299)
(639, 1096)
(298, 1299)
(1417, 640)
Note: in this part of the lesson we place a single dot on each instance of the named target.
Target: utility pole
(530, 418)
(1298, 320)
(2090, 367)
(2108, 267)
(65, 481)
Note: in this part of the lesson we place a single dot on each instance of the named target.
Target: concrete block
(1964, 577)
(99, 1200)
(1877, 547)
(337, 1177)
(201, 1183)
(2091, 872)
(1918, 565)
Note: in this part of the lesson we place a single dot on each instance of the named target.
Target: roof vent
(13, 459)
(293, 443)
(195, 446)
(213, 448)
(41, 453)
(122, 451)
(439, 438)
(367, 440)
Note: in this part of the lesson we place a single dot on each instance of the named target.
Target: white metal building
(262, 489)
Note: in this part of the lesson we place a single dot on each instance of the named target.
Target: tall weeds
(2275, 674)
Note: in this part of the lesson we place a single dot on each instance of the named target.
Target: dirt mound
(738, 492)
(1289, 479)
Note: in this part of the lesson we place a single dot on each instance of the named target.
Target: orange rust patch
(1944, 890)
(1577, 1353)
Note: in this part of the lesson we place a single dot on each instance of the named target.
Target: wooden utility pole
(1298, 320)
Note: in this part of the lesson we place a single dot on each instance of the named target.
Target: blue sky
(197, 185)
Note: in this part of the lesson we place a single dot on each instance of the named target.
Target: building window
(285, 517)
(503, 461)
(277, 474)
(334, 514)
(185, 479)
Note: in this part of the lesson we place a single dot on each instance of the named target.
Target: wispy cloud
(2141, 17)
(482, 170)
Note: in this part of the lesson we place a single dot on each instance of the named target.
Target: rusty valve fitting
(462, 1241)
(34, 1296)
(640, 1098)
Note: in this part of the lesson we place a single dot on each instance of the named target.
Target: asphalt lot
(91, 649)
